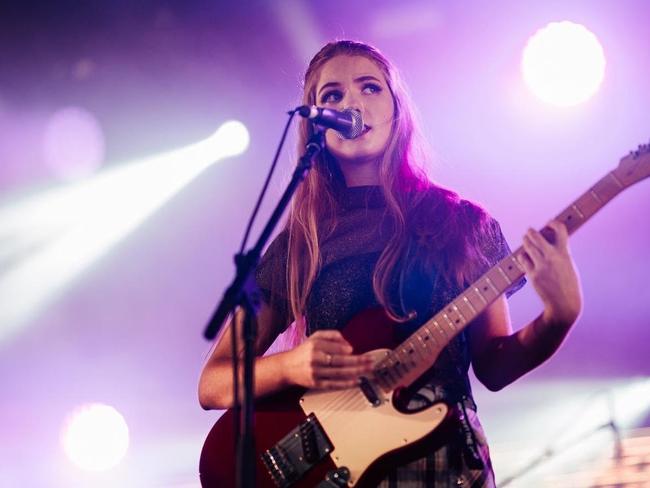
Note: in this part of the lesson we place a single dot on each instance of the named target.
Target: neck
(358, 173)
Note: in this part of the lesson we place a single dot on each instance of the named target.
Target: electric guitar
(350, 437)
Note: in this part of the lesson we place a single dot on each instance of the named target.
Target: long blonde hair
(313, 212)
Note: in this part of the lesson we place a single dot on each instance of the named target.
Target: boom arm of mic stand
(248, 262)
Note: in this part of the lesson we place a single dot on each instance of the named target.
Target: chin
(356, 153)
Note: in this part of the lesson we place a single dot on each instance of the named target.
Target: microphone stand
(553, 452)
(243, 292)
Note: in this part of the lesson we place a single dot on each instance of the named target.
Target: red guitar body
(277, 415)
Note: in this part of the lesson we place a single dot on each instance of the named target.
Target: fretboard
(406, 363)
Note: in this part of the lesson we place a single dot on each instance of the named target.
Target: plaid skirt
(448, 466)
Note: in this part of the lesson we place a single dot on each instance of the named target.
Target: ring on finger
(329, 360)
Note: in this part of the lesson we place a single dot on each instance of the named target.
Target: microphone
(347, 123)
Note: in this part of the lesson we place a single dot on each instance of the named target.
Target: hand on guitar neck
(551, 270)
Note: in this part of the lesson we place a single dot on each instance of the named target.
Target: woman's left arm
(500, 356)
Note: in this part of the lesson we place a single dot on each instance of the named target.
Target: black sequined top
(343, 287)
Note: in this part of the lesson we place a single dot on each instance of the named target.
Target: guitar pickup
(297, 452)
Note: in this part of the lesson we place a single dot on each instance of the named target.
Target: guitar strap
(471, 451)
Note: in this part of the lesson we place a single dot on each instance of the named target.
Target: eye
(371, 88)
(332, 96)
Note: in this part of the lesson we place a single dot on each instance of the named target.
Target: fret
(606, 189)
(580, 214)
(497, 281)
(616, 180)
(450, 323)
(469, 304)
(504, 275)
(410, 351)
(423, 345)
(462, 317)
(593, 193)
(478, 292)
(587, 205)
(494, 288)
(429, 335)
(442, 332)
(516, 263)
(512, 271)
(455, 317)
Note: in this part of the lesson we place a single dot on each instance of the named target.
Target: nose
(352, 101)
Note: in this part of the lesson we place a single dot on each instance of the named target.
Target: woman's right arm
(324, 360)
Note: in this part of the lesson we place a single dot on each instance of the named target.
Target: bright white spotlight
(563, 64)
(95, 437)
(231, 139)
(52, 237)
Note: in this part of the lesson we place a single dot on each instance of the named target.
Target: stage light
(95, 437)
(52, 237)
(563, 64)
(231, 139)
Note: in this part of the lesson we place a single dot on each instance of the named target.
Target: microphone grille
(357, 124)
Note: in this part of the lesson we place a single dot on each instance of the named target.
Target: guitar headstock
(635, 166)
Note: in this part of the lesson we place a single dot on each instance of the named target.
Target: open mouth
(366, 128)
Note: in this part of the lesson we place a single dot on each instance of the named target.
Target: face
(357, 82)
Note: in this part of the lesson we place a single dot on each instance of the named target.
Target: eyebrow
(360, 79)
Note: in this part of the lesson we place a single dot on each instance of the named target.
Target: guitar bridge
(297, 452)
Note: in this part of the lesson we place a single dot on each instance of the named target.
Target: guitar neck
(406, 363)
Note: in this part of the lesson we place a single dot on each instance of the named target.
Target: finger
(336, 384)
(327, 359)
(328, 335)
(539, 241)
(334, 348)
(533, 252)
(524, 260)
(344, 373)
(340, 361)
(561, 233)
(347, 360)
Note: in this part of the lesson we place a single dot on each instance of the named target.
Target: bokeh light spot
(563, 64)
(74, 143)
(95, 437)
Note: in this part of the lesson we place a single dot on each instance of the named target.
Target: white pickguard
(361, 432)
